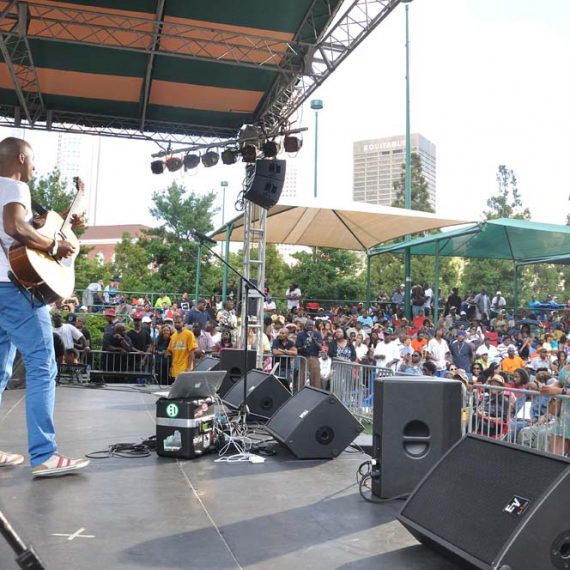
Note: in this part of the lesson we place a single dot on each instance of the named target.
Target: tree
(419, 187)
(132, 264)
(329, 274)
(171, 246)
(507, 203)
(50, 191)
(498, 274)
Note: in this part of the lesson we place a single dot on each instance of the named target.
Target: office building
(377, 164)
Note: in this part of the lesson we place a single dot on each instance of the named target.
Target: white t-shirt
(11, 191)
(438, 350)
(293, 303)
(428, 294)
(390, 352)
(68, 333)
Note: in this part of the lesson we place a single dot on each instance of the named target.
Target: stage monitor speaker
(267, 183)
(314, 424)
(231, 360)
(265, 394)
(495, 505)
(416, 420)
(207, 364)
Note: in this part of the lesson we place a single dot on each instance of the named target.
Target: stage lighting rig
(173, 163)
(249, 153)
(292, 144)
(230, 156)
(210, 158)
(157, 166)
(191, 161)
(270, 149)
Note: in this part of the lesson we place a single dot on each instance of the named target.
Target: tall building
(79, 155)
(377, 164)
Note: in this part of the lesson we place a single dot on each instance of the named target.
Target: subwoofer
(314, 424)
(495, 505)
(416, 420)
(231, 360)
(267, 184)
(265, 394)
(207, 364)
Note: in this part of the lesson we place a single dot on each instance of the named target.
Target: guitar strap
(38, 208)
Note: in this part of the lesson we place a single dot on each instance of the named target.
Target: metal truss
(347, 31)
(18, 58)
(302, 64)
(99, 28)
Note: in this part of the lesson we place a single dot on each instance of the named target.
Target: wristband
(54, 248)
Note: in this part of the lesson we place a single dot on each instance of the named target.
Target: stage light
(210, 158)
(191, 161)
(173, 163)
(229, 156)
(157, 166)
(292, 144)
(270, 149)
(249, 135)
(248, 153)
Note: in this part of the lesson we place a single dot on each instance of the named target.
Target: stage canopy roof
(358, 227)
(151, 68)
(522, 241)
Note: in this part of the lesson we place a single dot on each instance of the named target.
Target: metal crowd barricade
(522, 417)
(122, 366)
(353, 385)
(291, 370)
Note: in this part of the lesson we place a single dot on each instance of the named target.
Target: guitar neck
(75, 205)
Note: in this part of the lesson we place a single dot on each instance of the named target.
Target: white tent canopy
(358, 228)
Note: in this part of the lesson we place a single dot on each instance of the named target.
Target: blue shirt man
(461, 352)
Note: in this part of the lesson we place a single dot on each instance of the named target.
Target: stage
(153, 512)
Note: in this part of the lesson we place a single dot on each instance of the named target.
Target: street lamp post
(224, 185)
(316, 105)
(408, 186)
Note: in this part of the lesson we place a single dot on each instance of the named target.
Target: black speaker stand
(26, 558)
(205, 241)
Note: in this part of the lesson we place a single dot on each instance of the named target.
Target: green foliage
(419, 187)
(387, 272)
(95, 324)
(50, 191)
(489, 274)
(507, 203)
(329, 274)
(90, 270)
(132, 264)
(171, 247)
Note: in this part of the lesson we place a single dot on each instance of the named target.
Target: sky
(489, 85)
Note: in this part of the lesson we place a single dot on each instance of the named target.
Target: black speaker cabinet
(231, 360)
(267, 184)
(416, 420)
(207, 364)
(314, 424)
(265, 394)
(495, 505)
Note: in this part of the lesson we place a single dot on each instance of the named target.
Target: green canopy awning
(521, 241)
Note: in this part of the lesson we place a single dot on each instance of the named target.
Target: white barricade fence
(522, 417)
(353, 385)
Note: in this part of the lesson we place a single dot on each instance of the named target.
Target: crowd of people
(475, 340)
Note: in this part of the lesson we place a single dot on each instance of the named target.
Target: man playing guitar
(24, 321)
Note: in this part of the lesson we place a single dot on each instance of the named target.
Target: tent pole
(198, 264)
(368, 274)
(516, 289)
(226, 257)
(436, 287)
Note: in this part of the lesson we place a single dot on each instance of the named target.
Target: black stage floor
(161, 513)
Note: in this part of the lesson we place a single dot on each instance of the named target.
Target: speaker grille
(449, 501)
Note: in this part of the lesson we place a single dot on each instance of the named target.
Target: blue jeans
(28, 328)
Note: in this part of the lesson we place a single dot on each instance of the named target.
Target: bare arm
(16, 226)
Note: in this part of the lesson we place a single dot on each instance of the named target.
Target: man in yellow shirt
(512, 361)
(181, 346)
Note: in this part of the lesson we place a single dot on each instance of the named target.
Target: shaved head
(16, 159)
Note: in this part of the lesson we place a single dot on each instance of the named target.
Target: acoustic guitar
(47, 278)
